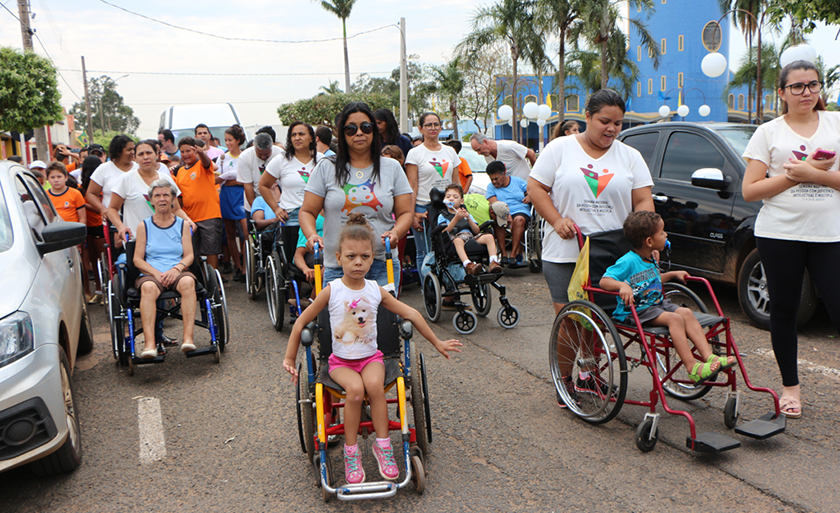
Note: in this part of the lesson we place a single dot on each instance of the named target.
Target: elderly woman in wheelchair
(163, 254)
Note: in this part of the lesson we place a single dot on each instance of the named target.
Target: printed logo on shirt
(360, 195)
(304, 174)
(66, 204)
(149, 202)
(597, 182)
(441, 167)
(799, 155)
(192, 176)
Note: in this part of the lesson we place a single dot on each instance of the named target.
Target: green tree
(332, 89)
(29, 96)
(449, 83)
(749, 15)
(108, 110)
(827, 11)
(478, 98)
(322, 109)
(558, 18)
(342, 8)
(746, 73)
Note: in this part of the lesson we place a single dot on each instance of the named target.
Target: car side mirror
(710, 178)
(63, 235)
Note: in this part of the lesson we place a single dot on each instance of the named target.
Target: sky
(134, 51)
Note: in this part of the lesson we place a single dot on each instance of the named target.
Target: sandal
(788, 404)
(724, 361)
(705, 372)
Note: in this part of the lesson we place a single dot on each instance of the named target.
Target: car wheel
(68, 457)
(754, 296)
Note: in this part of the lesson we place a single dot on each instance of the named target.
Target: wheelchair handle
(387, 246)
(307, 336)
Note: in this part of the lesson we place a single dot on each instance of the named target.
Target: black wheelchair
(124, 311)
(446, 279)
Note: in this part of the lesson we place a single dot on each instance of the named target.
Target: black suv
(697, 170)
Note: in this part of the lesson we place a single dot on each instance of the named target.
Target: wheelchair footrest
(712, 442)
(201, 352)
(136, 360)
(374, 490)
(763, 427)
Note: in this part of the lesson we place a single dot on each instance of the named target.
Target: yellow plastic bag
(580, 276)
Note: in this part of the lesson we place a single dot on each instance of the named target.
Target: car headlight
(16, 337)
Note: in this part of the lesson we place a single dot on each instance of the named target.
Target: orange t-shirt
(67, 204)
(94, 218)
(464, 172)
(198, 190)
(71, 166)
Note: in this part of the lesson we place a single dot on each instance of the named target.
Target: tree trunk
(604, 76)
(561, 81)
(346, 59)
(513, 101)
(604, 32)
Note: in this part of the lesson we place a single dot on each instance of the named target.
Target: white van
(182, 119)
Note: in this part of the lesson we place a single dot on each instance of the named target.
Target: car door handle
(70, 263)
(660, 198)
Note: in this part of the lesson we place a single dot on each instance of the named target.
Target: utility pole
(26, 35)
(89, 123)
(101, 116)
(404, 126)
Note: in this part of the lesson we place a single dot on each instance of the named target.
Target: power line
(177, 73)
(241, 38)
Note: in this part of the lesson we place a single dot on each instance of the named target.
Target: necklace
(359, 174)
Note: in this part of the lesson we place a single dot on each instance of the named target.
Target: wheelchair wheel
(418, 474)
(305, 416)
(432, 298)
(274, 293)
(425, 387)
(465, 322)
(218, 302)
(250, 268)
(482, 298)
(534, 234)
(419, 403)
(587, 362)
(730, 415)
(508, 316)
(113, 312)
(644, 441)
(683, 296)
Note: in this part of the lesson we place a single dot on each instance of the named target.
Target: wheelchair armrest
(486, 226)
(203, 258)
(307, 334)
(406, 329)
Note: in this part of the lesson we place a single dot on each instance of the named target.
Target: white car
(43, 326)
(478, 166)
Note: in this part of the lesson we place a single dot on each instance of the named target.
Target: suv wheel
(755, 299)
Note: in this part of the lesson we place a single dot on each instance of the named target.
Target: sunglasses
(367, 128)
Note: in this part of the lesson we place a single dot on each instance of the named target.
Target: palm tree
(342, 8)
(747, 13)
(747, 72)
(510, 21)
(450, 83)
(559, 17)
(332, 89)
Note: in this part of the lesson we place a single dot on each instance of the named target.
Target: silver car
(43, 326)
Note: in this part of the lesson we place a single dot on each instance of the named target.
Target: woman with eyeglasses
(359, 179)
(793, 170)
(430, 165)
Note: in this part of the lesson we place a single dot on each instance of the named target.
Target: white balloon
(531, 110)
(505, 112)
(683, 110)
(523, 122)
(541, 122)
(664, 111)
(704, 110)
(510, 121)
(713, 64)
(545, 112)
(803, 52)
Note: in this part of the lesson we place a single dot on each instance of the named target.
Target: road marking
(811, 366)
(152, 444)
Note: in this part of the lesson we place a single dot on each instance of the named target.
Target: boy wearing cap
(512, 193)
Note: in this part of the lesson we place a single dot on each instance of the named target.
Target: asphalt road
(191, 435)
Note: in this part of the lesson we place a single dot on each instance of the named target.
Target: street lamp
(683, 110)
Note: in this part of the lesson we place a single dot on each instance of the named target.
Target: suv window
(37, 207)
(686, 153)
(645, 143)
(5, 227)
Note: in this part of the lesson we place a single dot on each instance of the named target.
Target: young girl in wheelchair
(356, 362)
(635, 276)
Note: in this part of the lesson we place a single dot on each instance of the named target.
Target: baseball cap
(96, 148)
(37, 163)
(502, 211)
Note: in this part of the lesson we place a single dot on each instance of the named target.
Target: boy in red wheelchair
(636, 277)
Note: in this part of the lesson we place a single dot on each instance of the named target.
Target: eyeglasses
(367, 128)
(431, 126)
(798, 88)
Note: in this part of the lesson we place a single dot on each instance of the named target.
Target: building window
(740, 102)
(639, 7)
(650, 52)
(680, 43)
(712, 36)
(572, 103)
(731, 101)
(662, 45)
(551, 99)
(768, 102)
(529, 98)
(638, 88)
(639, 53)
(664, 82)
(679, 79)
(650, 86)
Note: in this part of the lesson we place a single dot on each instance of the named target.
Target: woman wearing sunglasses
(792, 167)
(359, 180)
(431, 165)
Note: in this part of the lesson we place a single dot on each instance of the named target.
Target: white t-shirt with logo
(250, 168)
(807, 211)
(512, 154)
(106, 176)
(292, 175)
(135, 194)
(597, 194)
(434, 169)
(353, 319)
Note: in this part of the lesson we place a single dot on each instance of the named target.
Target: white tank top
(353, 319)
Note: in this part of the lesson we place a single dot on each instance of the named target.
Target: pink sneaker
(354, 473)
(385, 458)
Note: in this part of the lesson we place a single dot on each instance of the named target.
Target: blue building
(686, 31)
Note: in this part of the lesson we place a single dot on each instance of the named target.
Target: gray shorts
(558, 277)
(209, 236)
(652, 312)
